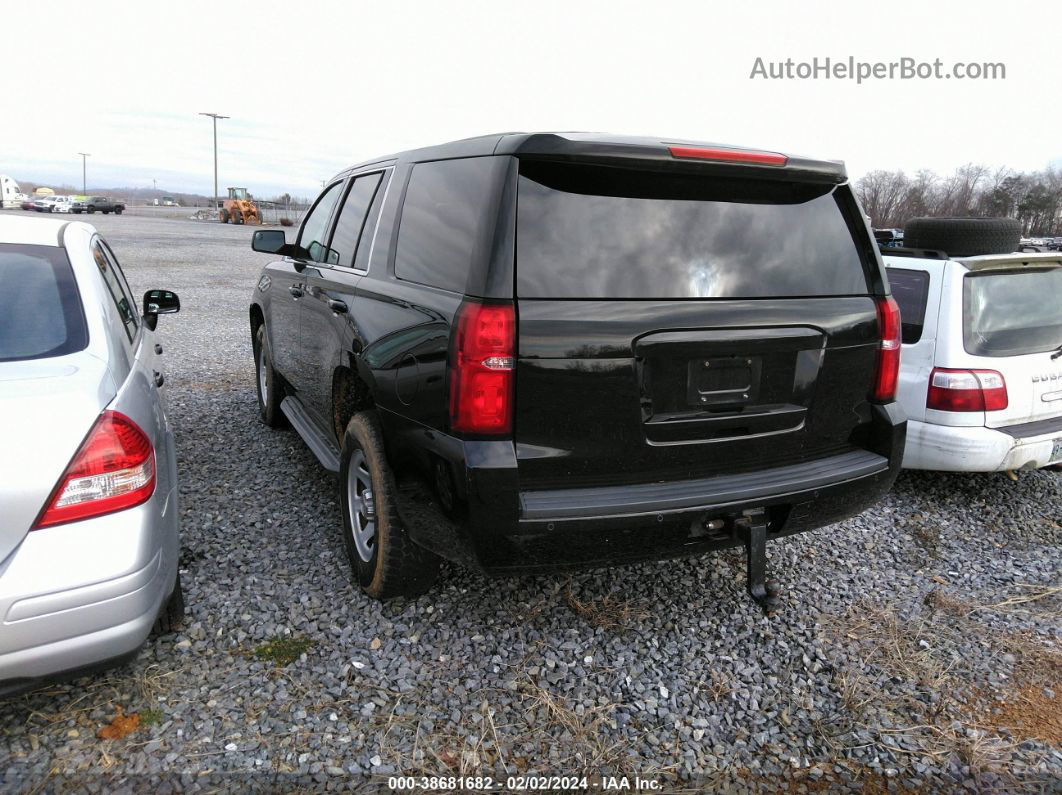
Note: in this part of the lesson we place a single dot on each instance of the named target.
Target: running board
(326, 451)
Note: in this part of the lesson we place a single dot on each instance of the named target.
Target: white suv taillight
(966, 390)
(114, 469)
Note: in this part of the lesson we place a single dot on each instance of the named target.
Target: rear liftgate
(739, 384)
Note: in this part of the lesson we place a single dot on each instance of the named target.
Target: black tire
(265, 375)
(395, 565)
(224, 214)
(91, 210)
(963, 237)
(173, 613)
(117, 212)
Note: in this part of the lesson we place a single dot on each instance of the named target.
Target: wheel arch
(350, 394)
(257, 319)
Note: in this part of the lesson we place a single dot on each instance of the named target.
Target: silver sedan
(88, 476)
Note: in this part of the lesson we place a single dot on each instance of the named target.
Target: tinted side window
(911, 291)
(123, 299)
(314, 231)
(361, 258)
(444, 218)
(352, 220)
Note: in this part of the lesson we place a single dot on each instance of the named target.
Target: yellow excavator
(239, 208)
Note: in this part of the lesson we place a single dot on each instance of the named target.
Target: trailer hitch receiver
(751, 528)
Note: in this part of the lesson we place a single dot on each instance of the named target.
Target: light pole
(84, 188)
(215, 117)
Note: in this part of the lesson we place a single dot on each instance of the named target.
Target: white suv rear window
(1013, 312)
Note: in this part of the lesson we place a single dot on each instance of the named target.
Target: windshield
(1012, 313)
(602, 232)
(40, 310)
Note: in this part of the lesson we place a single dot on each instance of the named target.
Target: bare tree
(890, 198)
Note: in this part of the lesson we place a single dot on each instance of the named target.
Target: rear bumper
(500, 530)
(976, 449)
(79, 595)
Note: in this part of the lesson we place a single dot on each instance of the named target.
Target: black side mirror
(159, 302)
(273, 241)
(269, 241)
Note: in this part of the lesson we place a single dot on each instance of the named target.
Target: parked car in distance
(528, 352)
(88, 475)
(889, 237)
(92, 204)
(27, 203)
(53, 204)
(981, 370)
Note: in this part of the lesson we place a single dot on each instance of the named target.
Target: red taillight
(114, 469)
(888, 373)
(481, 373)
(729, 155)
(966, 390)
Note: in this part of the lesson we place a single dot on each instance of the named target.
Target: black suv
(525, 352)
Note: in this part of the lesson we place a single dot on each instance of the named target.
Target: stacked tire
(963, 237)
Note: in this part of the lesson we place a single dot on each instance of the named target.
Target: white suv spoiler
(1011, 261)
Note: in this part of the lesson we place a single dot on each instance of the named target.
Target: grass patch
(283, 651)
(608, 613)
(151, 717)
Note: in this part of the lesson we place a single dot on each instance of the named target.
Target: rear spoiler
(1014, 261)
(672, 156)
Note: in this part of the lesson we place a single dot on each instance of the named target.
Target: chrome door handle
(295, 291)
(337, 306)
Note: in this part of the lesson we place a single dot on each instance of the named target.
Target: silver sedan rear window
(40, 308)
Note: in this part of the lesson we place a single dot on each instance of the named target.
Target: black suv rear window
(602, 232)
(40, 309)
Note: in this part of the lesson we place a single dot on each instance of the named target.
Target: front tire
(385, 561)
(270, 388)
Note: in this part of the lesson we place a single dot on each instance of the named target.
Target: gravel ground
(919, 646)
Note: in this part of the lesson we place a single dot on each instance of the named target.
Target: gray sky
(315, 86)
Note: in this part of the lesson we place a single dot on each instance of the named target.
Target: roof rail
(914, 253)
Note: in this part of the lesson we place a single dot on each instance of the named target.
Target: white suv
(981, 366)
(53, 204)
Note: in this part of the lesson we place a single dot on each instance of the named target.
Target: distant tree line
(890, 198)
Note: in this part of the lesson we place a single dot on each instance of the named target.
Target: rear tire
(117, 212)
(224, 216)
(963, 237)
(385, 561)
(173, 613)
